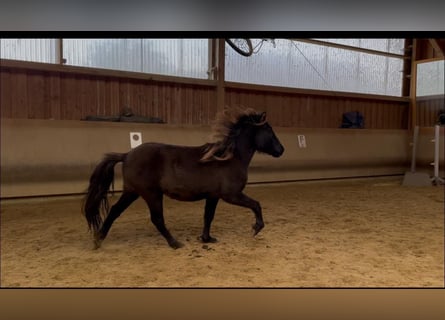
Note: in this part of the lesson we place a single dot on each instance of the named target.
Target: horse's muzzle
(278, 152)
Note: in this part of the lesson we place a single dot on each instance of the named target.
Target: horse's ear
(263, 117)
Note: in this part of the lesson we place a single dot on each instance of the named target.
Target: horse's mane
(226, 128)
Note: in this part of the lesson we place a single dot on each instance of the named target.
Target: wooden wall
(305, 110)
(428, 109)
(33, 94)
(39, 91)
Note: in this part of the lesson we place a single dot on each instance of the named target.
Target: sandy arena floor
(350, 233)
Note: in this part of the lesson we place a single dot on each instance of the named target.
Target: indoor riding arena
(355, 200)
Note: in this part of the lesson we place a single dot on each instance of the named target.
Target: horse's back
(150, 151)
(159, 166)
(178, 172)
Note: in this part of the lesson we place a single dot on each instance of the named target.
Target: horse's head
(246, 124)
(265, 139)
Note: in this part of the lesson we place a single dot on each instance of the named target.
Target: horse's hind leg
(209, 213)
(154, 202)
(124, 201)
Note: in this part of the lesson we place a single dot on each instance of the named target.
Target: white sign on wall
(301, 141)
(135, 139)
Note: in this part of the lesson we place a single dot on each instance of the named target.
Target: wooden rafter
(438, 46)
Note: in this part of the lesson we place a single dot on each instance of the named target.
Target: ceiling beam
(352, 48)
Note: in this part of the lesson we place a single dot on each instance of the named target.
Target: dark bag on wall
(353, 119)
(441, 117)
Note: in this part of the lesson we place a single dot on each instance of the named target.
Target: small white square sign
(135, 139)
(301, 141)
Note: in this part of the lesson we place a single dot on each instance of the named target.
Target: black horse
(212, 171)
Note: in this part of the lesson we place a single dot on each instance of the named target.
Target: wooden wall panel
(428, 109)
(53, 81)
(31, 94)
(47, 94)
(19, 95)
(311, 111)
(36, 93)
(5, 97)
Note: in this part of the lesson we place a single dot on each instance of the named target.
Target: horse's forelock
(228, 119)
(258, 119)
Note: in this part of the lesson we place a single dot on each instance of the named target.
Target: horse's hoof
(176, 244)
(207, 239)
(96, 244)
(97, 240)
(257, 228)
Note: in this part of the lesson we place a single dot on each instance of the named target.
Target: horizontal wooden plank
(16, 64)
(337, 94)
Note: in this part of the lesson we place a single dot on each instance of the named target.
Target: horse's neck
(244, 150)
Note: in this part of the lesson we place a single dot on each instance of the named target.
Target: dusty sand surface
(350, 233)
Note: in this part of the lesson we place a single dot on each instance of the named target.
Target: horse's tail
(96, 200)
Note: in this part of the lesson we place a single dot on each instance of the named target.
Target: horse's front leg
(209, 213)
(242, 200)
